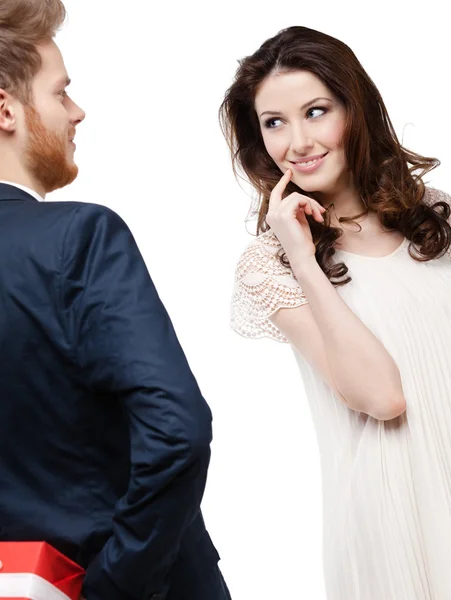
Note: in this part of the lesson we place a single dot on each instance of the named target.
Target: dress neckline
(403, 244)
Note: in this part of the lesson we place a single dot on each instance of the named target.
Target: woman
(351, 266)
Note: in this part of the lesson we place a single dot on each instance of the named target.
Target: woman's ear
(7, 112)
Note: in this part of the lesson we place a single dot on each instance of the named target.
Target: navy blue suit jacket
(105, 436)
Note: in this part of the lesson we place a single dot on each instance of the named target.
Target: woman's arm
(340, 347)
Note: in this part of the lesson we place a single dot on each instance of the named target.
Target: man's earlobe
(7, 112)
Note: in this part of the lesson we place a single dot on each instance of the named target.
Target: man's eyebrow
(303, 107)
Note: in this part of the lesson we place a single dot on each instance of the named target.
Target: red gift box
(36, 571)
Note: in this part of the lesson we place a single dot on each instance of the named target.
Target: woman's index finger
(279, 188)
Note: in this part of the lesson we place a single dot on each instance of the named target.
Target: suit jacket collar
(11, 192)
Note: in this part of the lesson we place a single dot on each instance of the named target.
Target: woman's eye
(316, 112)
(270, 123)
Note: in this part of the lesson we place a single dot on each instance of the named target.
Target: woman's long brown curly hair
(388, 177)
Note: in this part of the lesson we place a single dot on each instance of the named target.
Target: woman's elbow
(390, 410)
(383, 410)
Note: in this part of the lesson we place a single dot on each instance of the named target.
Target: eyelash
(318, 108)
(269, 121)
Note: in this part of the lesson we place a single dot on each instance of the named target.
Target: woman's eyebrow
(303, 107)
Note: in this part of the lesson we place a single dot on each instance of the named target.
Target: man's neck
(24, 188)
(24, 180)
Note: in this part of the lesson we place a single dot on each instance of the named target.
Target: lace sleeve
(432, 195)
(262, 286)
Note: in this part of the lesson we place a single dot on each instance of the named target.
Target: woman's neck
(346, 203)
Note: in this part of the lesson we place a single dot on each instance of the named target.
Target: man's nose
(78, 114)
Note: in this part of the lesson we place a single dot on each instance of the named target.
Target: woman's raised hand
(286, 217)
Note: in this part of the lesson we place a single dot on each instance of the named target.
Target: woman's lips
(309, 166)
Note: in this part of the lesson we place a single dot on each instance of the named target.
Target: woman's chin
(316, 183)
(309, 184)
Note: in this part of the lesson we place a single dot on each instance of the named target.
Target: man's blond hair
(23, 25)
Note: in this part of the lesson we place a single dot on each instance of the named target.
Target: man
(105, 435)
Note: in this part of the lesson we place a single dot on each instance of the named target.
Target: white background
(151, 77)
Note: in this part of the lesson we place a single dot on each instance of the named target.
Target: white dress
(386, 485)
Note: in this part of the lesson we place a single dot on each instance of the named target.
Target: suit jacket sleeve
(126, 345)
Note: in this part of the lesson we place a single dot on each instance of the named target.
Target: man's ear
(7, 112)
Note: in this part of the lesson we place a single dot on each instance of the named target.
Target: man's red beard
(46, 154)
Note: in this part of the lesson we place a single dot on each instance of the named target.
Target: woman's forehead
(286, 88)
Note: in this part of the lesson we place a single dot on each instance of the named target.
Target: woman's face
(302, 124)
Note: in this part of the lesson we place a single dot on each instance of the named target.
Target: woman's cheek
(275, 149)
(334, 133)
